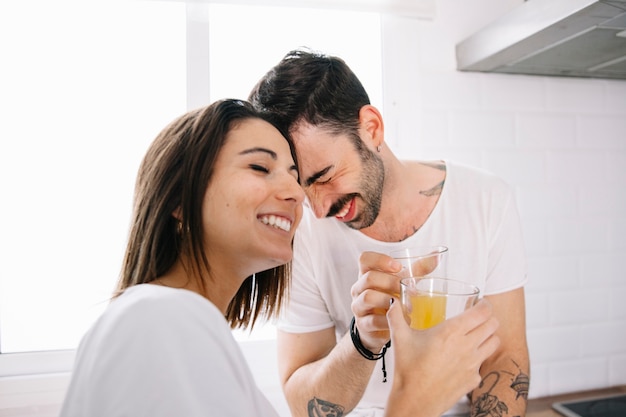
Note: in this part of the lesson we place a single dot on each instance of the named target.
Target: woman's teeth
(279, 222)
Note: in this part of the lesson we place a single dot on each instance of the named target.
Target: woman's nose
(292, 190)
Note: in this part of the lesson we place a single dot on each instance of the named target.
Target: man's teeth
(344, 211)
(279, 222)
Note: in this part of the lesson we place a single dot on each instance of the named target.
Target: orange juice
(427, 310)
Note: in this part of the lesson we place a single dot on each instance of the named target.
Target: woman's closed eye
(259, 168)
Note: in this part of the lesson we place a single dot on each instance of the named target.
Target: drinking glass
(422, 261)
(429, 301)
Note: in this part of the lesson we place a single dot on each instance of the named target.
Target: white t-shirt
(158, 351)
(476, 218)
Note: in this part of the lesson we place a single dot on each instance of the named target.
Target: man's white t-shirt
(476, 218)
(158, 351)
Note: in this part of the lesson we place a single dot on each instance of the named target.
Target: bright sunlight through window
(86, 86)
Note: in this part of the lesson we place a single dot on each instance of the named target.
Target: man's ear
(372, 122)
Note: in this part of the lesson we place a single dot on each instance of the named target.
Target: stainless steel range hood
(578, 38)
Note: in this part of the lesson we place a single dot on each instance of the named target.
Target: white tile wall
(561, 142)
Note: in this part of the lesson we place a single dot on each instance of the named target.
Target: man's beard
(371, 190)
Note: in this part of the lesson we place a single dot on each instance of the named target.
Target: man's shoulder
(464, 175)
(459, 168)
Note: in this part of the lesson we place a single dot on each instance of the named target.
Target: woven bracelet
(365, 352)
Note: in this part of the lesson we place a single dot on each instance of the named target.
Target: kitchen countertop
(542, 407)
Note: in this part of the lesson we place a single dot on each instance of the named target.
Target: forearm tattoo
(321, 408)
(489, 405)
(486, 405)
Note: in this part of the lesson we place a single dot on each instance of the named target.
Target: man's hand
(376, 285)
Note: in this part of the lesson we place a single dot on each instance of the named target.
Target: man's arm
(316, 371)
(503, 390)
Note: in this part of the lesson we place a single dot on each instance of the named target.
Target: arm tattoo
(520, 385)
(321, 408)
(487, 404)
(490, 405)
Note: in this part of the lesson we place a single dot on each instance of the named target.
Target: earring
(378, 148)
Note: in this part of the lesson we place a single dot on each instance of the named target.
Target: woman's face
(253, 202)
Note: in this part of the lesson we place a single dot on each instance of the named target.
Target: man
(366, 203)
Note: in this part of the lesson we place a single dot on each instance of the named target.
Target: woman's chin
(282, 258)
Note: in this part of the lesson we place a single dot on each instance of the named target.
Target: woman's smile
(276, 221)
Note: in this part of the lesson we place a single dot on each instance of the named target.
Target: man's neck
(412, 190)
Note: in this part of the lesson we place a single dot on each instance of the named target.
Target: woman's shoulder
(156, 299)
(149, 308)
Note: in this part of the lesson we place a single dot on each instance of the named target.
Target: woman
(217, 202)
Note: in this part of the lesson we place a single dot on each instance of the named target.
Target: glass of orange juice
(429, 301)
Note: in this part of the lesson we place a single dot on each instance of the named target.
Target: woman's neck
(219, 291)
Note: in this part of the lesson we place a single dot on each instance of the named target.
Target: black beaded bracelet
(365, 352)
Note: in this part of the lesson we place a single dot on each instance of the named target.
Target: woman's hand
(436, 367)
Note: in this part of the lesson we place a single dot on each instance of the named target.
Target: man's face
(340, 179)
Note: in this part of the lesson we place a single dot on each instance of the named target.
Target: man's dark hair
(311, 87)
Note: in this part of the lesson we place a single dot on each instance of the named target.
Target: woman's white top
(158, 351)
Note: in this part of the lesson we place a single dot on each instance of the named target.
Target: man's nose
(318, 203)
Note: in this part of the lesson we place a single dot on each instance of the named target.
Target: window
(86, 86)
(83, 94)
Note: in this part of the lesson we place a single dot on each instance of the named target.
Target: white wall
(562, 143)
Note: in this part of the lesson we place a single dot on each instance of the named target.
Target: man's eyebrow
(309, 181)
(258, 149)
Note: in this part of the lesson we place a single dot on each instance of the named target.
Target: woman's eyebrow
(259, 149)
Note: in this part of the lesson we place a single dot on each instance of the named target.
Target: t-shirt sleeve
(507, 269)
(305, 311)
